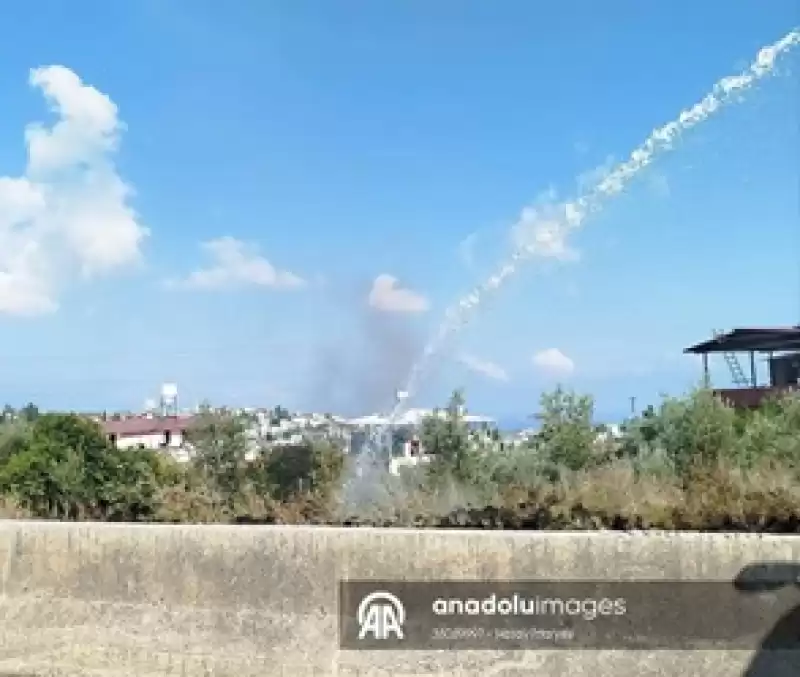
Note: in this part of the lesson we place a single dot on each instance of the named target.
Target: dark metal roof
(759, 340)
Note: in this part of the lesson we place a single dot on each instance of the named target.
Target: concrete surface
(242, 601)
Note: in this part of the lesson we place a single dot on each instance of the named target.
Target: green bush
(684, 432)
(67, 469)
(446, 437)
(772, 433)
(220, 444)
(14, 439)
(687, 463)
(291, 470)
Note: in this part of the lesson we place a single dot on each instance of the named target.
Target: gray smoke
(359, 372)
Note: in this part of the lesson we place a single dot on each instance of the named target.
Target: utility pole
(633, 405)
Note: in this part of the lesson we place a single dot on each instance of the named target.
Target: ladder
(735, 367)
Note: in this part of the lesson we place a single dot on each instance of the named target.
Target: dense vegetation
(690, 463)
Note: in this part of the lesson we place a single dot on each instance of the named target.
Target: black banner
(517, 615)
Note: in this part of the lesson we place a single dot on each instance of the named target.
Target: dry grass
(616, 493)
(10, 509)
(613, 496)
(715, 497)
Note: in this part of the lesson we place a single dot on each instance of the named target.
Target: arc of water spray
(553, 233)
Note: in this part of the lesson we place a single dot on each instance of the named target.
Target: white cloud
(590, 178)
(544, 226)
(237, 264)
(542, 229)
(484, 367)
(656, 182)
(553, 361)
(387, 296)
(69, 213)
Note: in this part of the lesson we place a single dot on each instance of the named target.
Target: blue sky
(254, 169)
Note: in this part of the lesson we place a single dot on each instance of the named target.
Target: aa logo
(380, 615)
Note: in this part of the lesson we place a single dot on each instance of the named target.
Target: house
(150, 432)
(409, 453)
(400, 437)
(780, 350)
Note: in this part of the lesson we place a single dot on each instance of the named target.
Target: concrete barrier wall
(124, 600)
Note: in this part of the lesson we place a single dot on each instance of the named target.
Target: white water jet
(549, 239)
(550, 234)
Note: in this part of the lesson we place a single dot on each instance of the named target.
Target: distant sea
(512, 423)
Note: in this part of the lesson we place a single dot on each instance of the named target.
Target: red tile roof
(141, 425)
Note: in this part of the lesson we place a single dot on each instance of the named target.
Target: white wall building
(407, 452)
(148, 431)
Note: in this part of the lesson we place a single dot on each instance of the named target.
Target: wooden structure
(780, 346)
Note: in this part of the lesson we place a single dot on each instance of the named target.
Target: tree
(567, 434)
(308, 467)
(68, 469)
(771, 432)
(697, 430)
(445, 436)
(14, 439)
(220, 443)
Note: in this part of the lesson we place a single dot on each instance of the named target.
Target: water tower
(169, 399)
